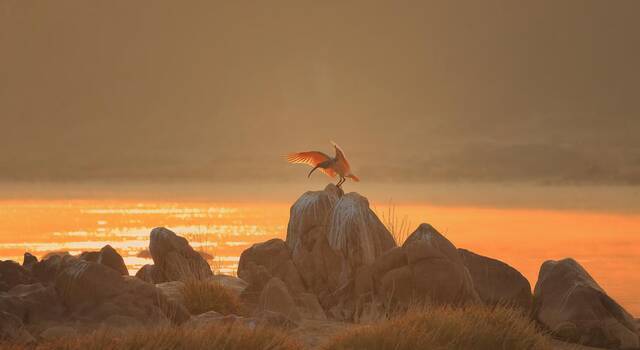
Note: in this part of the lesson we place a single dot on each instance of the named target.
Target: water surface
(607, 244)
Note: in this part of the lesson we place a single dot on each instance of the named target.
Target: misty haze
(485, 193)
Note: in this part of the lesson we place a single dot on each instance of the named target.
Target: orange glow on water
(607, 244)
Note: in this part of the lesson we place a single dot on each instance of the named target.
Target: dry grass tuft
(219, 337)
(203, 295)
(473, 327)
(398, 227)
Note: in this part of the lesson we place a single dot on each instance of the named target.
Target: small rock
(58, 332)
(262, 261)
(174, 258)
(90, 256)
(172, 291)
(309, 307)
(275, 297)
(28, 261)
(120, 322)
(150, 274)
(232, 283)
(110, 257)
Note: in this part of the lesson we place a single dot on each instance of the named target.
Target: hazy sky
(420, 91)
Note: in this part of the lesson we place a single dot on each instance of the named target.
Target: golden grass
(218, 337)
(398, 227)
(203, 295)
(469, 328)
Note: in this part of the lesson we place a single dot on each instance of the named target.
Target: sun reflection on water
(607, 244)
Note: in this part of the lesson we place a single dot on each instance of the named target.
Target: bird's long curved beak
(312, 170)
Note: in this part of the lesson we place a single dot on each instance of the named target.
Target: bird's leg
(342, 179)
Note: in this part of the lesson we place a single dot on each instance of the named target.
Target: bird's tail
(355, 178)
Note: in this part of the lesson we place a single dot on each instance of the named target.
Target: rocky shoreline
(339, 265)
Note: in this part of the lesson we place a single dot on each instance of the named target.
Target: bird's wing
(340, 156)
(312, 158)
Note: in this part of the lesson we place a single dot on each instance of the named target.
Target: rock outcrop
(36, 303)
(174, 259)
(332, 235)
(497, 282)
(28, 261)
(94, 291)
(107, 256)
(263, 261)
(13, 274)
(150, 273)
(426, 268)
(12, 330)
(575, 308)
(110, 257)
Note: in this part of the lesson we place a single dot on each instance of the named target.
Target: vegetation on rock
(203, 295)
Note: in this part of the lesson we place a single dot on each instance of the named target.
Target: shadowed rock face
(307, 237)
(426, 268)
(12, 274)
(574, 307)
(96, 292)
(356, 233)
(276, 297)
(266, 260)
(174, 258)
(28, 261)
(497, 282)
(12, 330)
(34, 303)
(310, 212)
(109, 257)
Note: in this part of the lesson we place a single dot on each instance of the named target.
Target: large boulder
(13, 274)
(263, 261)
(497, 282)
(427, 268)
(307, 231)
(33, 303)
(357, 235)
(12, 330)
(332, 236)
(309, 212)
(174, 258)
(95, 292)
(570, 303)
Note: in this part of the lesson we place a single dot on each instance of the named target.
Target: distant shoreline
(623, 199)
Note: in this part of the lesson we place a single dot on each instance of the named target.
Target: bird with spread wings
(337, 165)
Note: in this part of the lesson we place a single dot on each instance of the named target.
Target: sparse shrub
(470, 328)
(398, 227)
(203, 295)
(218, 337)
